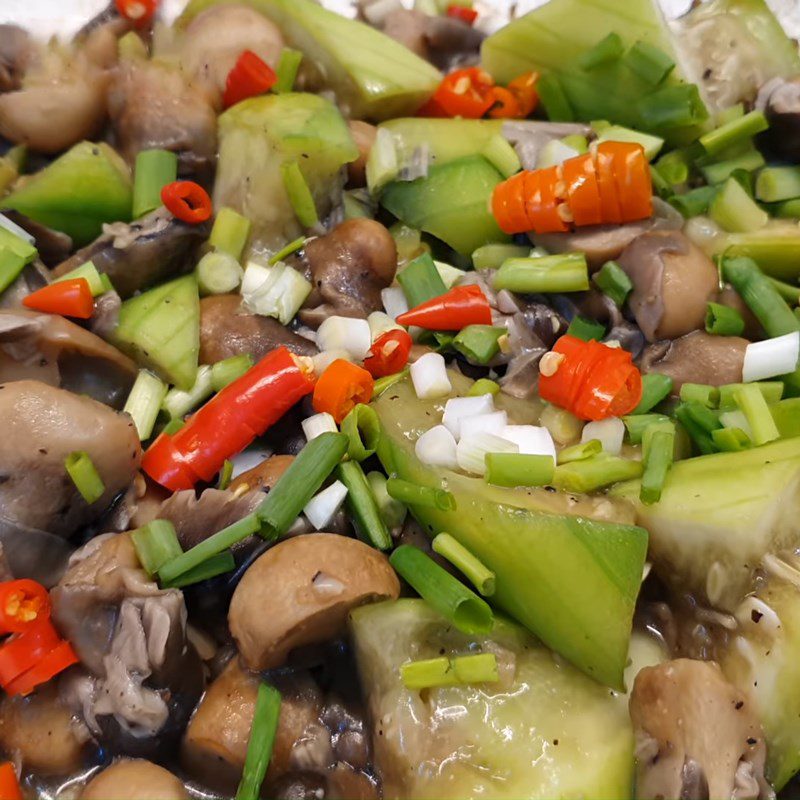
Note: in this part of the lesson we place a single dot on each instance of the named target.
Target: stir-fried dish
(401, 406)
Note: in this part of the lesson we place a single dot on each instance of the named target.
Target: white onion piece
(771, 358)
(493, 423)
(555, 152)
(449, 274)
(394, 301)
(736, 419)
(609, 431)
(429, 376)
(531, 439)
(321, 508)
(437, 447)
(324, 359)
(345, 333)
(379, 323)
(471, 451)
(458, 408)
(12, 227)
(318, 424)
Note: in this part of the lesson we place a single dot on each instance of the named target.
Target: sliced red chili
(249, 77)
(139, 12)
(22, 651)
(187, 201)
(9, 784)
(388, 354)
(22, 602)
(465, 93)
(55, 662)
(506, 105)
(464, 13)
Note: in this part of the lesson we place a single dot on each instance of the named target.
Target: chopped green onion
(420, 496)
(286, 71)
(408, 241)
(789, 209)
(613, 282)
(577, 142)
(791, 294)
(698, 433)
(733, 132)
(173, 426)
(11, 265)
(606, 51)
(301, 481)
(483, 386)
(595, 473)
(673, 167)
(363, 430)
(89, 273)
(153, 170)
(156, 543)
(755, 408)
(672, 107)
(694, 202)
(229, 369)
(658, 446)
(581, 451)
(560, 273)
(447, 595)
(476, 668)
(702, 415)
(106, 283)
(260, 743)
(230, 232)
(700, 393)
(731, 440)
(586, 329)
(212, 546)
(480, 576)
(562, 426)
(519, 469)
(290, 248)
(382, 163)
(300, 197)
(85, 476)
(362, 505)
(649, 63)
(178, 403)
(420, 280)
(786, 414)
(392, 511)
(278, 291)
(722, 170)
(735, 211)
(772, 391)
(554, 100)
(775, 184)
(479, 344)
(760, 296)
(655, 388)
(502, 155)
(218, 564)
(492, 256)
(723, 320)
(382, 384)
(225, 475)
(218, 273)
(144, 401)
(616, 133)
(130, 47)
(432, 672)
(638, 424)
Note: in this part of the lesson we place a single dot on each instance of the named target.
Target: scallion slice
(492, 256)
(772, 391)
(260, 743)
(363, 507)
(658, 446)
(300, 197)
(420, 280)
(733, 132)
(144, 401)
(655, 388)
(225, 475)
(462, 670)
(586, 329)
(595, 473)
(153, 170)
(480, 576)
(363, 430)
(230, 232)
(613, 282)
(156, 543)
(700, 393)
(519, 469)
(567, 272)
(218, 564)
(731, 440)
(554, 99)
(580, 452)
(734, 210)
(723, 320)
(178, 403)
(218, 273)
(483, 386)
(755, 408)
(420, 496)
(606, 51)
(286, 71)
(447, 595)
(649, 63)
(85, 476)
(479, 344)
(229, 369)
(392, 511)
(694, 202)
(638, 423)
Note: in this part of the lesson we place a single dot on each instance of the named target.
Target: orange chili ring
(464, 13)
(341, 387)
(523, 87)
(187, 201)
(632, 178)
(506, 105)
(583, 193)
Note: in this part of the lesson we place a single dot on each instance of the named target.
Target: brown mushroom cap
(673, 280)
(134, 779)
(308, 584)
(364, 136)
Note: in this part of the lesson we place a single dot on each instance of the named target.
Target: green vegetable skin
(719, 515)
(571, 580)
(86, 187)
(257, 136)
(161, 330)
(499, 740)
(452, 203)
(373, 75)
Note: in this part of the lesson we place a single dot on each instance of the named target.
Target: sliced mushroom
(53, 246)
(697, 358)
(227, 329)
(138, 254)
(364, 136)
(134, 779)
(348, 268)
(42, 426)
(779, 99)
(215, 39)
(151, 105)
(309, 582)
(16, 50)
(52, 350)
(673, 280)
(697, 736)
(263, 476)
(215, 744)
(38, 731)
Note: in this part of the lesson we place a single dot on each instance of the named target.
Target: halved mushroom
(16, 50)
(134, 779)
(310, 583)
(52, 350)
(138, 254)
(697, 736)
(348, 267)
(673, 280)
(697, 358)
(779, 99)
(228, 329)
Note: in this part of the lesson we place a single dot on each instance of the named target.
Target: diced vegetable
(85, 476)
(422, 496)
(363, 507)
(153, 171)
(322, 508)
(278, 291)
(429, 376)
(734, 210)
(228, 370)
(229, 233)
(155, 544)
(144, 402)
(178, 402)
(562, 273)
(219, 273)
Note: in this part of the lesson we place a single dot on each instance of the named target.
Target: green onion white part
(771, 358)
(437, 447)
(471, 450)
(609, 431)
(429, 376)
(322, 508)
(458, 408)
(345, 333)
(318, 424)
